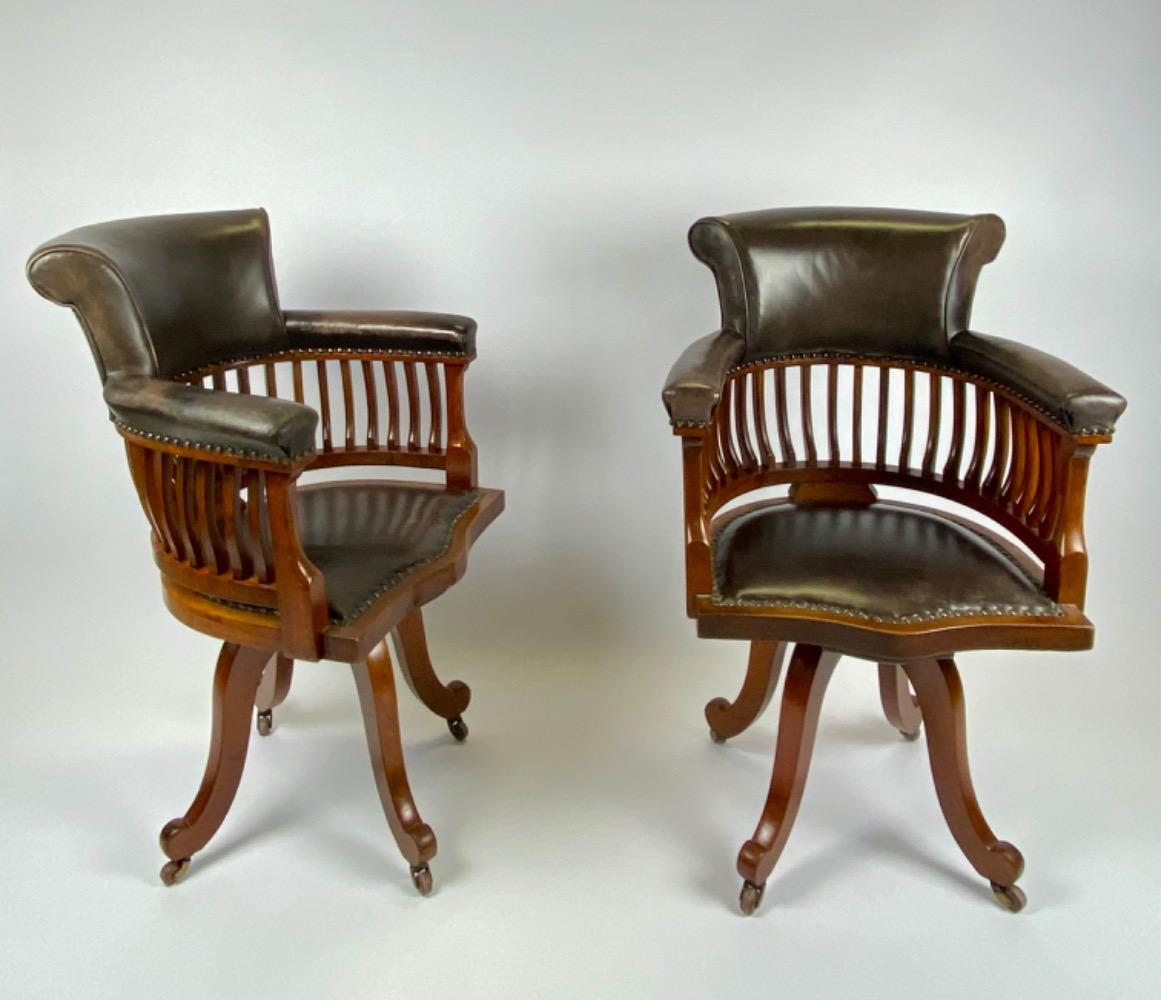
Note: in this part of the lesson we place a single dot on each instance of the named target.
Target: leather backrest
(164, 294)
(863, 281)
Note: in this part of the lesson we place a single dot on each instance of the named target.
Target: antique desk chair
(224, 400)
(830, 319)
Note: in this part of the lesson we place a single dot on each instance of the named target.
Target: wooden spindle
(804, 373)
(243, 374)
(982, 435)
(392, 404)
(1009, 491)
(203, 515)
(934, 413)
(139, 465)
(183, 511)
(857, 417)
(372, 393)
(1030, 488)
(725, 444)
(784, 440)
(435, 406)
(1001, 449)
(832, 435)
(299, 393)
(758, 401)
(324, 405)
(412, 380)
(348, 403)
(741, 424)
(218, 380)
(271, 378)
(1047, 475)
(255, 502)
(958, 431)
(908, 419)
(884, 413)
(228, 510)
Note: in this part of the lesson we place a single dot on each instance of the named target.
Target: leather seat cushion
(884, 562)
(367, 537)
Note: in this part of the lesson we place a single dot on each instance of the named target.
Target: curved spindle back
(895, 424)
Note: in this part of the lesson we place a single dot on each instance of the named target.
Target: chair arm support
(694, 386)
(399, 331)
(1078, 402)
(254, 427)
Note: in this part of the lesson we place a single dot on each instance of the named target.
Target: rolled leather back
(859, 281)
(165, 294)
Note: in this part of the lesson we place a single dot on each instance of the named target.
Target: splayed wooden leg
(448, 701)
(940, 694)
(728, 719)
(806, 681)
(375, 681)
(272, 691)
(899, 704)
(236, 680)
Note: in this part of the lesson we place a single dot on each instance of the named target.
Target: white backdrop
(536, 166)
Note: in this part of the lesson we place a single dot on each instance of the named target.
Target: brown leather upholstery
(884, 562)
(400, 330)
(165, 294)
(865, 282)
(881, 282)
(366, 537)
(161, 296)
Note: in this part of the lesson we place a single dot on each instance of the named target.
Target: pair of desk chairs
(224, 400)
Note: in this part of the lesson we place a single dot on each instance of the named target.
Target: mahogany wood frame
(225, 539)
(1010, 463)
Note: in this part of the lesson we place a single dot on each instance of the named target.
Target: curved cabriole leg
(899, 704)
(940, 693)
(727, 719)
(272, 691)
(448, 701)
(376, 684)
(806, 680)
(236, 680)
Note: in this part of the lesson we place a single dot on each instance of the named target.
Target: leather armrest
(224, 422)
(694, 386)
(406, 332)
(1078, 402)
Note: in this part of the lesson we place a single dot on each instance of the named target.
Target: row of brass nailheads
(216, 449)
(934, 615)
(291, 355)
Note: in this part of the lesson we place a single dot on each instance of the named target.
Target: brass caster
(173, 872)
(910, 737)
(1010, 897)
(716, 736)
(421, 877)
(265, 722)
(458, 729)
(750, 898)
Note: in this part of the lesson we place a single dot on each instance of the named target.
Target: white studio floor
(587, 831)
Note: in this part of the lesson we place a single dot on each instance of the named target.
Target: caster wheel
(458, 728)
(1010, 897)
(265, 722)
(716, 736)
(909, 737)
(750, 898)
(421, 878)
(173, 872)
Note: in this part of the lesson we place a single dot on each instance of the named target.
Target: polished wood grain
(899, 704)
(782, 423)
(226, 540)
(807, 678)
(236, 681)
(727, 719)
(375, 682)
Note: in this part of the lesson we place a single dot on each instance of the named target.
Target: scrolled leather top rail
(403, 331)
(257, 427)
(1076, 401)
